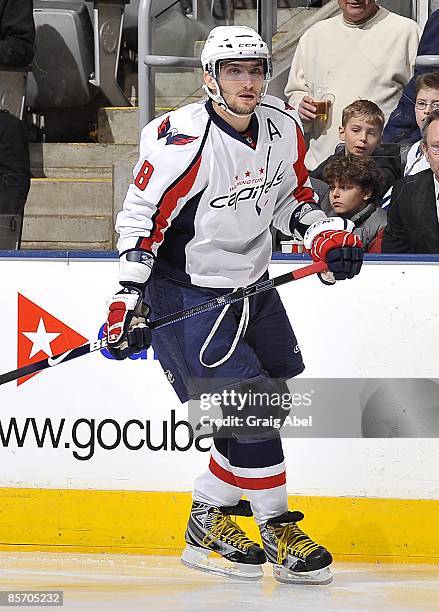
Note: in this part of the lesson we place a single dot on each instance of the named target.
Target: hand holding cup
(307, 109)
(321, 99)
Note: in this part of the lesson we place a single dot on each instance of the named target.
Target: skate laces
(292, 539)
(228, 531)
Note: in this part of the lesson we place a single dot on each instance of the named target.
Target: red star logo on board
(41, 335)
(261, 170)
(248, 173)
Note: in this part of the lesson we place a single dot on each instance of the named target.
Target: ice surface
(131, 583)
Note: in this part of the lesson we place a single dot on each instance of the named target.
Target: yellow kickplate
(370, 529)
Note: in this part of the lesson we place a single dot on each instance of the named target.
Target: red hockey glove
(330, 240)
(126, 328)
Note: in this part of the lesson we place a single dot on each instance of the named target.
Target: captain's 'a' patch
(272, 130)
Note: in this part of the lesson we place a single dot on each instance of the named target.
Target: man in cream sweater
(366, 52)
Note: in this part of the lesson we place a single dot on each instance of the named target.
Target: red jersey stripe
(302, 192)
(168, 205)
(268, 482)
(253, 484)
(221, 473)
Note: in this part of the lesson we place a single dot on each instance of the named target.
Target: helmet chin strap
(218, 98)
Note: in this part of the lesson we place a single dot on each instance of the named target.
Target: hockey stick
(222, 300)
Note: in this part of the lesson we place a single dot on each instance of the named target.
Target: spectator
(14, 172)
(361, 130)
(355, 183)
(402, 126)
(427, 99)
(17, 37)
(413, 225)
(351, 189)
(365, 52)
(17, 32)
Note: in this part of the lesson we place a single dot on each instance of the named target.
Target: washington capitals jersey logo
(171, 134)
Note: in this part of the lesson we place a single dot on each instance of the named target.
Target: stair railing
(266, 9)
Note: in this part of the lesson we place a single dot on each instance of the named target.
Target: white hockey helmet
(233, 43)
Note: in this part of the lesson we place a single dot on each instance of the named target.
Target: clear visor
(242, 70)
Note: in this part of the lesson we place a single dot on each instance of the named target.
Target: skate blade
(197, 558)
(286, 576)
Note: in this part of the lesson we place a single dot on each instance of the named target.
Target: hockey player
(211, 178)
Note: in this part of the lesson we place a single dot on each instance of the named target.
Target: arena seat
(66, 73)
(64, 56)
(171, 18)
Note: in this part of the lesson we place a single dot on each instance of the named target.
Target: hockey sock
(217, 486)
(259, 470)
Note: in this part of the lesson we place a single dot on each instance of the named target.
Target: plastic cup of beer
(322, 100)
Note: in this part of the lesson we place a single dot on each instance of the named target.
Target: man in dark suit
(413, 225)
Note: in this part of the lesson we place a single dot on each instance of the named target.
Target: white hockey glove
(126, 328)
(331, 240)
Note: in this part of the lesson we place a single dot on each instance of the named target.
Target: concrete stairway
(76, 194)
(69, 213)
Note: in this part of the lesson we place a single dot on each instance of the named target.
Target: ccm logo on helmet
(248, 45)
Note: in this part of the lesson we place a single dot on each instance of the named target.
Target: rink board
(382, 324)
(357, 529)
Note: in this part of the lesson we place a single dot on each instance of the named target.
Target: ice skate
(210, 529)
(296, 558)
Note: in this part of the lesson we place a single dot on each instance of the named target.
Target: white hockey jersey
(204, 195)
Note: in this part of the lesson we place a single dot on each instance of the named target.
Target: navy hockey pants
(268, 349)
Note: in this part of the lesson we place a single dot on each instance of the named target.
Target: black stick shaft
(217, 302)
(53, 361)
(239, 294)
